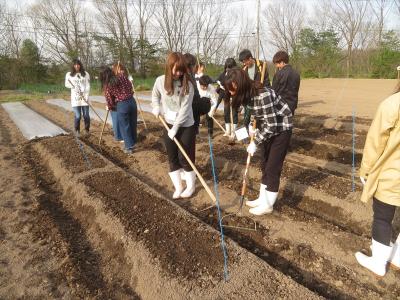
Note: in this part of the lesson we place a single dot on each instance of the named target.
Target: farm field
(79, 220)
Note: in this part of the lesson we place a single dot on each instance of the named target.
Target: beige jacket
(381, 157)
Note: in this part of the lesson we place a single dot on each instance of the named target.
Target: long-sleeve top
(272, 115)
(177, 108)
(80, 88)
(380, 164)
(286, 83)
(210, 93)
(121, 91)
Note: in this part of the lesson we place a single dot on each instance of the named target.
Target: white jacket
(80, 87)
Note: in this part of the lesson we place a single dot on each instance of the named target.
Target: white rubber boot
(182, 172)
(234, 126)
(266, 204)
(177, 182)
(378, 261)
(256, 202)
(190, 178)
(227, 129)
(394, 258)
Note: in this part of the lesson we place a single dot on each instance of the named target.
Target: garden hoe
(243, 192)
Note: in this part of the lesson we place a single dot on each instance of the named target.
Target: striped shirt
(272, 114)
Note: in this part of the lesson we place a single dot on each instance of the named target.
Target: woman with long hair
(78, 80)
(274, 129)
(380, 175)
(119, 96)
(173, 96)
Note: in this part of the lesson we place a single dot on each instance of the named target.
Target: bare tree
(211, 31)
(67, 26)
(144, 11)
(174, 21)
(380, 8)
(285, 20)
(346, 17)
(11, 32)
(117, 16)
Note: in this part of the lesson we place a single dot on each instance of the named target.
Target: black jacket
(286, 83)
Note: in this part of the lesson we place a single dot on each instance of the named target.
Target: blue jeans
(127, 120)
(79, 111)
(115, 126)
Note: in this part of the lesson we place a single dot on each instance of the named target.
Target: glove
(172, 132)
(156, 111)
(363, 180)
(251, 130)
(107, 107)
(251, 148)
(211, 112)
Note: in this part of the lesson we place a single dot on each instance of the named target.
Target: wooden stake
(102, 129)
(219, 124)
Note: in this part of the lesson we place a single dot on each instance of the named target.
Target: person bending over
(272, 136)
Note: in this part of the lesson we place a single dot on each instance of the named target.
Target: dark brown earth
(329, 276)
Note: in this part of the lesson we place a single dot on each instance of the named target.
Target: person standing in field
(272, 135)
(380, 175)
(78, 80)
(254, 69)
(119, 96)
(229, 126)
(173, 96)
(286, 81)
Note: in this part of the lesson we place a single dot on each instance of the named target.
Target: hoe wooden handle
(190, 162)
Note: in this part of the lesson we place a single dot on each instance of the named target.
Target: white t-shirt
(80, 88)
(210, 93)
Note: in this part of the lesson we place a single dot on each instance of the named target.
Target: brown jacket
(381, 157)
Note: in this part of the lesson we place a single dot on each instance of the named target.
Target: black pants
(382, 223)
(227, 113)
(200, 107)
(273, 153)
(186, 137)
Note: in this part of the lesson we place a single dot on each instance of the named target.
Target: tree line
(336, 38)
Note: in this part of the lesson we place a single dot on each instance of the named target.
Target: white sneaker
(227, 129)
(190, 178)
(266, 204)
(177, 182)
(378, 261)
(256, 202)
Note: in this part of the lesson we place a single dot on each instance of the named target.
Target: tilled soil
(328, 275)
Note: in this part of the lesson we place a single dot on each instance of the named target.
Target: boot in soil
(190, 178)
(394, 258)
(258, 201)
(378, 261)
(177, 182)
(266, 204)
(227, 129)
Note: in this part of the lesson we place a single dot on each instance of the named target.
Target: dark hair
(191, 61)
(81, 70)
(107, 77)
(245, 54)
(229, 64)
(178, 60)
(205, 80)
(280, 56)
(245, 87)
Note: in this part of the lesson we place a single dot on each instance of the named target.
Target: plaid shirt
(273, 115)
